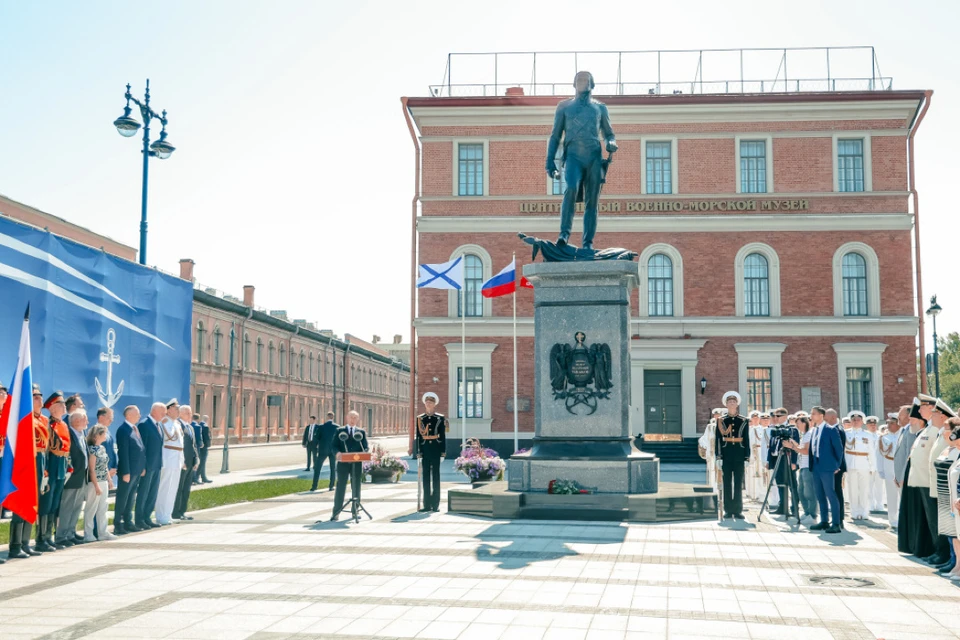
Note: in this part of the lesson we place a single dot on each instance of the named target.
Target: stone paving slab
(269, 571)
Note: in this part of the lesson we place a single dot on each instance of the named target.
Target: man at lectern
(350, 439)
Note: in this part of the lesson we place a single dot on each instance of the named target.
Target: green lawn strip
(220, 496)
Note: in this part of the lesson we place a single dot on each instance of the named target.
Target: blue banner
(111, 330)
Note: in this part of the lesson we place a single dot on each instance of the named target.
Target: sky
(294, 168)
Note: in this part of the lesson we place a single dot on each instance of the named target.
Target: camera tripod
(791, 488)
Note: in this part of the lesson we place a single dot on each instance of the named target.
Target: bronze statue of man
(580, 121)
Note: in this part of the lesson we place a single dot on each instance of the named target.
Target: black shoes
(832, 530)
(16, 554)
(823, 526)
(739, 516)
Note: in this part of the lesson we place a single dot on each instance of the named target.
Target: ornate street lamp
(128, 127)
(933, 312)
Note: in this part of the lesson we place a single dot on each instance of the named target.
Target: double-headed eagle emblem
(580, 374)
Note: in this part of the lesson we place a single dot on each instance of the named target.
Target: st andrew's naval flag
(111, 330)
(504, 283)
(448, 275)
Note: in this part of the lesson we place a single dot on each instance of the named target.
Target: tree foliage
(948, 352)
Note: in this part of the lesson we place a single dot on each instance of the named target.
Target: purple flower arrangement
(479, 463)
(383, 460)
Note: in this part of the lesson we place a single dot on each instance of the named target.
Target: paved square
(265, 571)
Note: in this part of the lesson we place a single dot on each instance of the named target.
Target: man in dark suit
(323, 437)
(826, 454)
(153, 450)
(131, 461)
(191, 461)
(202, 436)
(307, 441)
(350, 439)
(75, 488)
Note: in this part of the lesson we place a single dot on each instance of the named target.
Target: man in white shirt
(754, 475)
(861, 465)
(886, 447)
(172, 456)
(872, 425)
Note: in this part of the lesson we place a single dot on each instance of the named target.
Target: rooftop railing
(665, 72)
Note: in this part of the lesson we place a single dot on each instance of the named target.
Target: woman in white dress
(172, 462)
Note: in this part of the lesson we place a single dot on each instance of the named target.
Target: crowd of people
(821, 465)
(151, 463)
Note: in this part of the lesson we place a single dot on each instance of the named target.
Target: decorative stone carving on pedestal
(582, 385)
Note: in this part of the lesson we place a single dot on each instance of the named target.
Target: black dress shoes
(739, 516)
(822, 526)
(16, 554)
(832, 530)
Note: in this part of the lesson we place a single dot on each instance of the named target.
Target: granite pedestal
(588, 443)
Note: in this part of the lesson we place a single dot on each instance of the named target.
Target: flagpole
(516, 409)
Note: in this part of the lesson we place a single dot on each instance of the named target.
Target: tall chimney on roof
(248, 295)
(186, 269)
(397, 339)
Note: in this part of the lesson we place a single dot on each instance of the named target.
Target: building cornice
(660, 110)
(693, 223)
(699, 327)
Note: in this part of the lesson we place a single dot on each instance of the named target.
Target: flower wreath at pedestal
(384, 466)
(479, 464)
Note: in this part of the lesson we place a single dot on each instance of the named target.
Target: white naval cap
(945, 409)
(857, 413)
(731, 394)
(873, 419)
(754, 414)
(718, 411)
(893, 416)
(430, 394)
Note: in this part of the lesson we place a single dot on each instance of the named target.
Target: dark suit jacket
(131, 457)
(190, 454)
(204, 437)
(324, 435)
(152, 443)
(830, 453)
(306, 441)
(110, 444)
(346, 444)
(78, 460)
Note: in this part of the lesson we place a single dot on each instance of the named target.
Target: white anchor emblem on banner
(109, 398)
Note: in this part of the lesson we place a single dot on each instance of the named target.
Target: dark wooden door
(662, 405)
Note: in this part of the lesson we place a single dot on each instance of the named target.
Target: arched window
(660, 285)
(472, 283)
(199, 342)
(259, 355)
(270, 358)
(283, 360)
(854, 285)
(310, 375)
(246, 351)
(300, 368)
(756, 286)
(216, 345)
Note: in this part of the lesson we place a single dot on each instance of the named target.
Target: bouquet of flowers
(478, 463)
(384, 462)
(564, 487)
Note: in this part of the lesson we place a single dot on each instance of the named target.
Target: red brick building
(775, 236)
(285, 371)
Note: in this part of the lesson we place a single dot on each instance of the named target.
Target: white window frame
(674, 164)
(873, 278)
(773, 273)
(487, 262)
(456, 165)
(867, 160)
(866, 355)
(762, 354)
(768, 156)
(549, 190)
(675, 257)
(478, 354)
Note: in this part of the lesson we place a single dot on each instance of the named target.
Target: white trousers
(876, 493)
(96, 507)
(167, 493)
(893, 500)
(754, 480)
(858, 493)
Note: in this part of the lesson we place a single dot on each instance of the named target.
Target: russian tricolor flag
(504, 283)
(18, 471)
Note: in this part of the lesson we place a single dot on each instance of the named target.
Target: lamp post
(127, 127)
(225, 463)
(933, 312)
